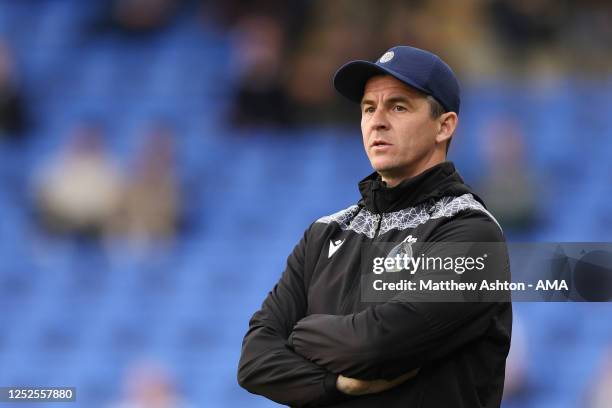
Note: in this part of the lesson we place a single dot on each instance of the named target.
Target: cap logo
(387, 56)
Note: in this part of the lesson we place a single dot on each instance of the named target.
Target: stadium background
(159, 160)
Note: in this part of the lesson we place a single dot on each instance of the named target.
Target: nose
(379, 120)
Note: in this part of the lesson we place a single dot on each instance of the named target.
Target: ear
(447, 123)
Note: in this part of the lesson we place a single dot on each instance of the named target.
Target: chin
(383, 166)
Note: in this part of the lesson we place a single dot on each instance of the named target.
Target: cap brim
(351, 78)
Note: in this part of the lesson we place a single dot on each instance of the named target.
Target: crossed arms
(301, 360)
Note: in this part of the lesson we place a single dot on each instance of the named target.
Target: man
(315, 342)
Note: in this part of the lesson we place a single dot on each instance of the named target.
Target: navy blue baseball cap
(414, 67)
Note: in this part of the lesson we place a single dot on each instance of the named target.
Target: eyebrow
(393, 99)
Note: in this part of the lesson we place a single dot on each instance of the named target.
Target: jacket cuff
(330, 384)
(332, 393)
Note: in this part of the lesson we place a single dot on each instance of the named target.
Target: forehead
(388, 84)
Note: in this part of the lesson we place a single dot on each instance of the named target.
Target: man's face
(398, 130)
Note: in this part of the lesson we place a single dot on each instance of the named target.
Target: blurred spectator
(12, 106)
(258, 52)
(455, 30)
(285, 72)
(149, 385)
(313, 97)
(591, 24)
(150, 204)
(291, 15)
(135, 17)
(530, 31)
(79, 191)
(335, 33)
(529, 23)
(507, 187)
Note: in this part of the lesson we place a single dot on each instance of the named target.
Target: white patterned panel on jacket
(364, 222)
(351, 219)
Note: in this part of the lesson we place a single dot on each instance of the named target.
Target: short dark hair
(436, 110)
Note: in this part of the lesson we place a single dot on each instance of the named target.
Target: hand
(353, 386)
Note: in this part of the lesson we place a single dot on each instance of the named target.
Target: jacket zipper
(378, 222)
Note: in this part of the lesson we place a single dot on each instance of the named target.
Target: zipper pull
(378, 218)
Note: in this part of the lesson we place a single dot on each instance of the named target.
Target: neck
(394, 177)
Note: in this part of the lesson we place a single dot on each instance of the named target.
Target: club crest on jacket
(401, 249)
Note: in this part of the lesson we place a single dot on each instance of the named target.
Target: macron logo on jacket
(334, 246)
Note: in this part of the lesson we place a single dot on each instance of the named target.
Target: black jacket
(313, 325)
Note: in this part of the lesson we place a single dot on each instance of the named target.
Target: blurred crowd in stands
(287, 52)
(83, 193)
(283, 56)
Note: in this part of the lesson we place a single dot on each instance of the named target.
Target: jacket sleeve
(267, 365)
(389, 339)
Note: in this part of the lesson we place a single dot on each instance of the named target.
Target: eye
(368, 109)
(399, 108)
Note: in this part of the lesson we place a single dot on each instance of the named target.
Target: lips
(379, 143)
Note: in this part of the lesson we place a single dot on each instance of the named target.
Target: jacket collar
(436, 182)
